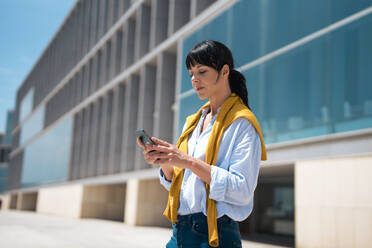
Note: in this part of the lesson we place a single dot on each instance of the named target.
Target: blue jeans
(191, 231)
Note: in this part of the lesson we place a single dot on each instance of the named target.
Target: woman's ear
(225, 70)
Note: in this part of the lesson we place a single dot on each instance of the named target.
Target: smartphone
(144, 137)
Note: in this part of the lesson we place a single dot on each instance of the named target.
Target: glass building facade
(318, 87)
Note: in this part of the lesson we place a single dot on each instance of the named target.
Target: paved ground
(20, 229)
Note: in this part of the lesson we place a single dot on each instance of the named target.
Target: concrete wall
(5, 202)
(145, 203)
(27, 201)
(64, 200)
(104, 201)
(333, 203)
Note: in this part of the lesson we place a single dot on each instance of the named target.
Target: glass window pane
(46, 160)
(188, 106)
(351, 75)
(33, 125)
(26, 105)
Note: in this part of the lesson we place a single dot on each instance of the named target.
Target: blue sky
(26, 28)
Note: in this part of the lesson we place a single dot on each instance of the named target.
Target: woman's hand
(151, 157)
(165, 154)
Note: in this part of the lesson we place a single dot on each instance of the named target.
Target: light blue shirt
(233, 178)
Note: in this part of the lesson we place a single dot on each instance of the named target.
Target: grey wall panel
(159, 22)
(96, 139)
(130, 124)
(108, 61)
(116, 129)
(118, 52)
(110, 13)
(128, 43)
(101, 17)
(77, 146)
(87, 23)
(90, 169)
(104, 139)
(179, 14)
(93, 72)
(164, 96)
(142, 33)
(146, 102)
(102, 68)
(93, 23)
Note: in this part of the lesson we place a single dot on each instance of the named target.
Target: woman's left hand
(167, 154)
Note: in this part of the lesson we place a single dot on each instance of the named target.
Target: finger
(160, 148)
(161, 161)
(160, 142)
(140, 143)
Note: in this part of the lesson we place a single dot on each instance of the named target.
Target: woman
(212, 173)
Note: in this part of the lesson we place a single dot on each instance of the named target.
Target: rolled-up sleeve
(163, 180)
(235, 182)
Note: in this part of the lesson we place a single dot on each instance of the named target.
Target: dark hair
(215, 54)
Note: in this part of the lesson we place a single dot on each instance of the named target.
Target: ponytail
(238, 86)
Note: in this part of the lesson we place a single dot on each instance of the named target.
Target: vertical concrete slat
(101, 17)
(118, 53)
(108, 131)
(99, 69)
(96, 141)
(87, 26)
(159, 22)
(146, 102)
(102, 68)
(93, 139)
(114, 47)
(87, 164)
(93, 72)
(179, 14)
(85, 143)
(164, 96)
(81, 30)
(79, 144)
(85, 81)
(123, 5)
(110, 13)
(108, 61)
(98, 21)
(89, 77)
(116, 129)
(128, 44)
(93, 23)
(105, 134)
(102, 137)
(73, 150)
(142, 33)
(130, 124)
(197, 6)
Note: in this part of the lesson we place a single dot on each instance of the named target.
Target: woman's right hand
(151, 156)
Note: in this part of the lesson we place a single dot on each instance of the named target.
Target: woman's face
(205, 80)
